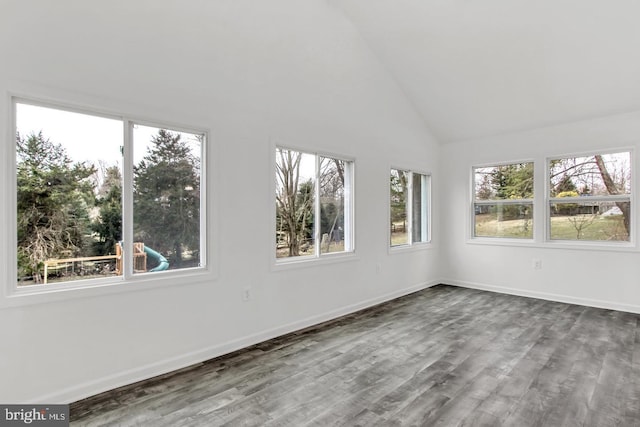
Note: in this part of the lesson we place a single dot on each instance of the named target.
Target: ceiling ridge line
(412, 104)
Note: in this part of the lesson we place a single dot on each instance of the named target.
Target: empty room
(319, 212)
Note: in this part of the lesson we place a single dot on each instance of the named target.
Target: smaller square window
(590, 197)
(503, 201)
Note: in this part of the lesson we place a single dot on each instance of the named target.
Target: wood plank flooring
(445, 356)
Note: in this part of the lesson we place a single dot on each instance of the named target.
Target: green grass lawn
(488, 226)
(399, 238)
(588, 227)
(577, 227)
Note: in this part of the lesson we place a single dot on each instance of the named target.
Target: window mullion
(348, 206)
(409, 208)
(316, 209)
(503, 202)
(127, 201)
(425, 208)
(586, 199)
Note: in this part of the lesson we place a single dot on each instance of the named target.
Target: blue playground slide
(162, 263)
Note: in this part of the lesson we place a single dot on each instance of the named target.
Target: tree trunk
(624, 207)
(333, 227)
(178, 249)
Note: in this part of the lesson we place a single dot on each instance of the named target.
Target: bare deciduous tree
(294, 208)
(613, 190)
(594, 175)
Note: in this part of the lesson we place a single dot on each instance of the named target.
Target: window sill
(556, 244)
(284, 264)
(399, 249)
(592, 246)
(41, 294)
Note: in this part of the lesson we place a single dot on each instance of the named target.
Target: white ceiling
(479, 68)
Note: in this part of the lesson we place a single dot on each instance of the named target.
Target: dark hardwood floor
(444, 356)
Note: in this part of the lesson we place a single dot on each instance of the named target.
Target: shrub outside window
(589, 197)
(314, 205)
(408, 208)
(75, 199)
(503, 201)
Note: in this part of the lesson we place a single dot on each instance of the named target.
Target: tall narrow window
(590, 197)
(333, 204)
(313, 205)
(408, 205)
(72, 191)
(399, 207)
(419, 217)
(503, 201)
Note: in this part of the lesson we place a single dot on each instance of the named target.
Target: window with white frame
(100, 198)
(314, 205)
(503, 201)
(408, 208)
(589, 197)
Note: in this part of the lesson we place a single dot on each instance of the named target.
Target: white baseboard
(610, 305)
(161, 367)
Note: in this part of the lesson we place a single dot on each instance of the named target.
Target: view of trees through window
(312, 204)
(503, 201)
(71, 188)
(399, 189)
(399, 184)
(166, 198)
(589, 197)
(70, 214)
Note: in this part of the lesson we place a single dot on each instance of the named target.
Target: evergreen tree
(54, 196)
(565, 185)
(167, 197)
(398, 198)
(513, 181)
(108, 226)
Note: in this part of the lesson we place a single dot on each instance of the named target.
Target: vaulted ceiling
(479, 68)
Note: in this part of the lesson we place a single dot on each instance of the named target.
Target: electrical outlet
(246, 293)
(537, 264)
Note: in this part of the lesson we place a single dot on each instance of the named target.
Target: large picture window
(590, 197)
(82, 215)
(409, 208)
(314, 205)
(503, 201)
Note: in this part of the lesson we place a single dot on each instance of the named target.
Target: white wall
(591, 277)
(253, 73)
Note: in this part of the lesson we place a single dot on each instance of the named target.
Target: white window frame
(349, 214)
(426, 214)
(13, 295)
(501, 202)
(548, 201)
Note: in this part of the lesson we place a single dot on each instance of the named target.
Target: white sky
(307, 168)
(86, 137)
